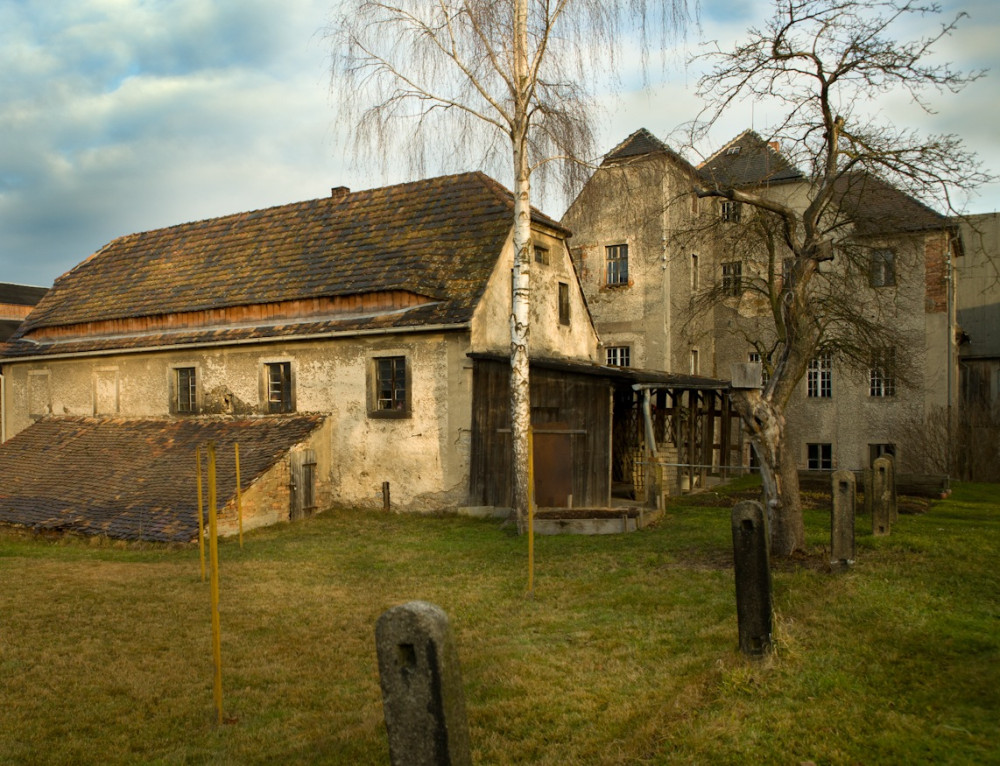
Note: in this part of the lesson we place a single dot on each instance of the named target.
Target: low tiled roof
(747, 160)
(132, 479)
(438, 238)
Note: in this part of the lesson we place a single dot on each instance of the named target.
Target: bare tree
(499, 83)
(825, 62)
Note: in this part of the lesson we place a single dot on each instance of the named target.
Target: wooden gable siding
(14, 310)
(579, 405)
(263, 313)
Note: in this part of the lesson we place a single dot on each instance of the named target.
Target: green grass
(626, 654)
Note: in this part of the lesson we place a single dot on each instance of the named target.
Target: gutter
(240, 342)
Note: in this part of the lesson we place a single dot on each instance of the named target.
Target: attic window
(541, 255)
(733, 150)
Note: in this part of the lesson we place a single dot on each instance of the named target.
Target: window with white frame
(881, 376)
(618, 356)
(616, 262)
(819, 456)
(819, 377)
(278, 387)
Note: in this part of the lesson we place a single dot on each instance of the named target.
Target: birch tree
(825, 63)
(500, 84)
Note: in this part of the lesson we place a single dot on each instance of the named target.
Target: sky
(119, 116)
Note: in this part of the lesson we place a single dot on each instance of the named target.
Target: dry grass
(627, 653)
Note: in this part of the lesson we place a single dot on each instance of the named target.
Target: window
(819, 377)
(279, 386)
(875, 451)
(185, 390)
(617, 264)
(732, 211)
(541, 255)
(764, 374)
(732, 278)
(390, 394)
(694, 361)
(881, 377)
(820, 457)
(787, 273)
(733, 150)
(563, 303)
(694, 272)
(618, 356)
(882, 268)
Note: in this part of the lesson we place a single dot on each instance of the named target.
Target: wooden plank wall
(578, 403)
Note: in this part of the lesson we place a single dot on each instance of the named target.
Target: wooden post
(201, 517)
(386, 506)
(753, 578)
(531, 512)
(213, 547)
(239, 494)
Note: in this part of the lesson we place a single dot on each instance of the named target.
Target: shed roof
(132, 479)
(437, 239)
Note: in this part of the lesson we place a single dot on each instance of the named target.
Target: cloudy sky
(119, 116)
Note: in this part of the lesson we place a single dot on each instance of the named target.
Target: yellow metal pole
(201, 516)
(213, 547)
(531, 512)
(239, 495)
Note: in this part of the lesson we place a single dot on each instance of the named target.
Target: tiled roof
(132, 479)
(439, 238)
(746, 160)
(640, 144)
(21, 295)
(875, 207)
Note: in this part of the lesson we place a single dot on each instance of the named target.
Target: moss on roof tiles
(438, 237)
(132, 479)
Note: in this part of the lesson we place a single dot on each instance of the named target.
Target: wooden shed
(589, 425)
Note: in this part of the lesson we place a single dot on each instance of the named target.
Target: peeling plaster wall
(641, 204)
(424, 456)
(548, 338)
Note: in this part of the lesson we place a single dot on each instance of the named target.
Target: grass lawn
(627, 653)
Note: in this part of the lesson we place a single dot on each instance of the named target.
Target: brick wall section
(936, 273)
(265, 502)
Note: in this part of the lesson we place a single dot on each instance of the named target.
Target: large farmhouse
(360, 308)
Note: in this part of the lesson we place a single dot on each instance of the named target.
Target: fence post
(421, 680)
(753, 578)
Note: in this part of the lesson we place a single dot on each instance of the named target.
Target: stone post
(421, 680)
(842, 518)
(882, 497)
(866, 478)
(753, 578)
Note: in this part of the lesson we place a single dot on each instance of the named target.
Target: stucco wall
(423, 456)
(548, 337)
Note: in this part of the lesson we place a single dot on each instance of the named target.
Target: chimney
(339, 192)
(776, 145)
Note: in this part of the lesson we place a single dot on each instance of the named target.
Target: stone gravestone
(866, 478)
(753, 578)
(842, 518)
(883, 496)
(421, 680)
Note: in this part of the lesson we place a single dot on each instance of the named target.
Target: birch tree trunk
(520, 390)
